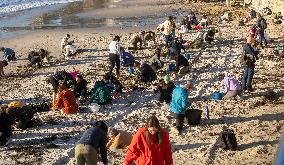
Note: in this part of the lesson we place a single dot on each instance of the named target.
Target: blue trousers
(247, 78)
(262, 38)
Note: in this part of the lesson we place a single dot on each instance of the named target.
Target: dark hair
(221, 76)
(2, 48)
(154, 122)
(102, 125)
(116, 38)
(5, 62)
(68, 35)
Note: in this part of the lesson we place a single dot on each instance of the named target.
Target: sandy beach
(256, 120)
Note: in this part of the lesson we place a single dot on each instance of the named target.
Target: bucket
(193, 116)
(217, 96)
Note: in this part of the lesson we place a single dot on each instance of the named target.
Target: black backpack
(227, 140)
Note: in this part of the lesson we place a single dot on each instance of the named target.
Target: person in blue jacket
(179, 104)
(9, 54)
(126, 59)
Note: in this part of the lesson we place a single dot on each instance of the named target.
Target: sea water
(10, 6)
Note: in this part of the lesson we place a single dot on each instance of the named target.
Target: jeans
(262, 38)
(114, 61)
(247, 78)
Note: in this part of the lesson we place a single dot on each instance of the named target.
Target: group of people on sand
(151, 143)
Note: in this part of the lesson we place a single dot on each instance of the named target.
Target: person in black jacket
(165, 87)
(147, 73)
(5, 126)
(209, 36)
(250, 57)
(80, 87)
(93, 140)
(182, 64)
(35, 59)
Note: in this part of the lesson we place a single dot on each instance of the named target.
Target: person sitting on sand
(3, 64)
(232, 86)
(118, 140)
(114, 54)
(80, 90)
(182, 65)
(92, 141)
(65, 40)
(68, 46)
(165, 87)
(138, 38)
(146, 72)
(179, 104)
(155, 61)
(100, 94)
(65, 100)
(44, 55)
(9, 54)
(113, 84)
(150, 145)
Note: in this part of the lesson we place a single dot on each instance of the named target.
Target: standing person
(92, 141)
(166, 28)
(261, 25)
(66, 101)
(150, 145)
(114, 53)
(232, 86)
(249, 58)
(3, 64)
(179, 104)
(9, 54)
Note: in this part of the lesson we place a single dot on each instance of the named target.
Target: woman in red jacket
(66, 100)
(150, 145)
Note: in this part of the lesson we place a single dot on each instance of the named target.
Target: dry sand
(257, 122)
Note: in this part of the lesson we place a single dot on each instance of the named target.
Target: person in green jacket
(100, 94)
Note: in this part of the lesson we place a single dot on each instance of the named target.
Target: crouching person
(118, 140)
(165, 88)
(232, 86)
(35, 59)
(5, 127)
(92, 141)
(66, 101)
(100, 94)
(179, 104)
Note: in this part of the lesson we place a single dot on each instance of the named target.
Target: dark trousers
(179, 121)
(168, 39)
(247, 78)
(114, 61)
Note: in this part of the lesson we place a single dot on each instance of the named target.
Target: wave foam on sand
(9, 6)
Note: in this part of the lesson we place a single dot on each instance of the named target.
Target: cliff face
(275, 5)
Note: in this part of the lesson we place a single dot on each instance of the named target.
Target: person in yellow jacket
(118, 140)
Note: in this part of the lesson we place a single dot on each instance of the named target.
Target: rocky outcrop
(275, 5)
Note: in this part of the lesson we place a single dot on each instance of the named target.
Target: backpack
(227, 140)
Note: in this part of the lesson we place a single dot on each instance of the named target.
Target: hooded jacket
(143, 154)
(100, 93)
(179, 100)
(67, 101)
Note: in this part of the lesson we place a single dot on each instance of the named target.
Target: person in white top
(68, 46)
(166, 28)
(114, 54)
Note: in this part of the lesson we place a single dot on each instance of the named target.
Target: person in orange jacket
(66, 100)
(150, 145)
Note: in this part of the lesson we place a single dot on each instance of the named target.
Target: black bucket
(193, 116)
